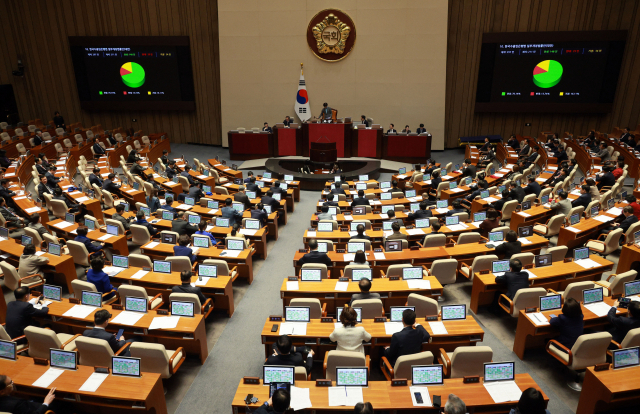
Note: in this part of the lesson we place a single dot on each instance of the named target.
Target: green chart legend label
(547, 73)
(132, 74)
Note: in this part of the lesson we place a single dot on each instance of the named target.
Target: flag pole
(301, 70)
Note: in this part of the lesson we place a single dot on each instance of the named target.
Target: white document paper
(139, 274)
(573, 229)
(347, 396)
(32, 210)
(419, 284)
(600, 309)
(151, 245)
(503, 391)
(392, 327)
(542, 180)
(342, 286)
(293, 328)
(602, 218)
(524, 214)
(524, 240)
(93, 382)
(383, 216)
(293, 286)
(112, 270)
(587, 263)
(456, 227)
(63, 224)
(490, 199)
(615, 211)
(127, 318)
(202, 282)
(311, 233)
(414, 232)
(231, 253)
(530, 273)
(476, 224)
(438, 328)
(402, 176)
(82, 199)
(379, 256)
(248, 232)
(79, 311)
(164, 322)
(424, 393)
(347, 257)
(538, 318)
(105, 237)
(498, 175)
(456, 190)
(41, 253)
(575, 192)
(184, 207)
(48, 377)
(213, 211)
(442, 210)
(228, 185)
(300, 398)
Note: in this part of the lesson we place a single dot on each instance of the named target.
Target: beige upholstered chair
(317, 310)
(81, 285)
(79, 253)
(121, 229)
(5, 337)
(334, 359)
(479, 263)
(139, 234)
(125, 291)
(631, 339)
(371, 308)
(508, 209)
(96, 352)
(199, 308)
(589, 350)
(157, 359)
(324, 272)
(557, 253)
(615, 287)
(576, 210)
(402, 367)
(424, 306)
(444, 270)
(552, 228)
(465, 361)
(574, 290)
(525, 258)
(179, 263)
(434, 240)
(524, 298)
(628, 235)
(59, 208)
(223, 268)
(396, 270)
(139, 260)
(467, 238)
(610, 244)
(13, 281)
(42, 340)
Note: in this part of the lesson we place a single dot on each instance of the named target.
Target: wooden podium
(323, 152)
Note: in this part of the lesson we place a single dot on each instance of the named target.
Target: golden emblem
(331, 35)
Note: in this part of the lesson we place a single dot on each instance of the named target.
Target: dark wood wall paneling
(38, 30)
(469, 19)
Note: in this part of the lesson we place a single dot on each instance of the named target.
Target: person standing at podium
(391, 129)
(287, 121)
(266, 128)
(363, 120)
(325, 114)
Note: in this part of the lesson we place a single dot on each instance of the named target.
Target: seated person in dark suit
(118, 216)
(584, 199)
(229, 212)
(360, 233)
(171, 170)
(564, 173)
(331, 201)
(623, 221)
(278, 403)
(515, 279)
(242, 197)
(202, 231)
(283, 354)
(277, 190)
(365, 286)
(44, 188)
(570, 323)
(511, 246)
(142, 221)
(95, 178)
(92, 247)
(435, 182)
(423, 212)
(39, 167)
(513, 142)
(287, 121)
(499, 205)
(185, 287)
(314, 256)
(182, 249)
(397, 234)
(100, 321)
(395, 188)
(97, 149)
(391, 129)
(11, 218)
(338, 188)
(533, 187)
(168, 205)
(137, 169)
(406, 129)
(623, 324)
(530, 159)
(421, 129)
(363, 121)
(361, 200)
(468, 169)
(6, 193)
(20, 313)
(431, 165)
(195, 191)
(482, 185)
(561, 155)
(491, 222)
(259, 214)
(525, 149)
(186, 174)
(252, 186)
(324, 213)
(517, 192)
(268, 200)
(409, 340)
(165, 157)
(248, 179)
(15, 405)
(307, 168)
(181, 226)
(487, 144)
(392, 217)
(457, 208)
(57, 195)
(133, 157)
(607, 179)
(266, 128)
(99, 278)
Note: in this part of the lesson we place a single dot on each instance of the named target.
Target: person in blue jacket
(99, 278)
(570, 323)
(82, 238)
(181, 248)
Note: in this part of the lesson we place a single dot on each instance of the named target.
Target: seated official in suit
(99, 278)
(499, 205)
(182, 249)
(283, 355)
(266, 128)
(513, 142)
(607, 179)
(202, 231)
(51, 175)
(118, 216)
(457, 208)
(482, 186)
(361, 200)
(423, 212)
(16, 405)
(141, 220)
(396, 235)
(42, 170)
(435, 182)
(365, 286)
(314, 256)
(391, 129)
(515, 279)
(57, 195)
(195, 191)
(562, 175)
(331, 201)
(561, 155)
(623, 221)
(363, 121)
(278, 190)
(241, 197)
(409, 340)
(486, 145)
(338, 188)
(406, 130)
(20, 313)
(38, 138)
(110, 185)
(35, 223)
(392, 216)
(570, 323)
(468, 169)
(524, 150)
(431, 165)
(533, 187)
(165, 157)
(584, 199)
(10, 217)
(603, 153)
(153, 202)
(325, 114)
(186, 174)
(360, 233)
(100, 322)
(167, 206)
(287, 121)
(94, 177)
(6, 193)
(349, 337)
(562, 205)
(511, 246)
(324, 213)
(530, 159)
(626, 135)
(98, 150)
(30, 263)
(268, 200)
(248, 179)
(395, 188)
(259, 214)
(531, 402)
(278, 403)
(421, 130)
(181, 226)
(133, 157)
(92, 247)
(623, 324)
(171, 170)
(517, 192)
(230, 213)
(44, 188)
(185, 287)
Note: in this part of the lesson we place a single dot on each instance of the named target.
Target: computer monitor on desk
(592, 296)
(278, 373)
(499, 371)
(396, 312)
(624, 358)
(352, 376)
(427, 375)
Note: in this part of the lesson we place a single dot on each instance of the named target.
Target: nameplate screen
(55, 249)
(496, 236)
(222, 222)
(8, 350)
(235, 244)
(631, 288)
(134, 304)
(357, 274)
(208, 270)
(179, 308)
(550, 302)
(502, 371)
(499, 266)
(129, 367)
(252, 224)
(352, 377)
(353, 247)
(278, 373)
(52, 292)
(628, 357)
(311, 275)
(92, 298)
(160, 266)
(409, 273)
(592, 296)
(194, 219)
(63, 359)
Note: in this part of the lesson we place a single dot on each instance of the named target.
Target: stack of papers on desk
(573, 229)
(10, 175)
(542, 180)
(105, 237)
(538, 318)
(392, 327)
(587, 263)
(348, 218)
(48, 377)
(379, 255)
(490, 199)
(342, 286)
(184, 206)
(293, 328)
(476, 224)
(402, 176)
(375, 203)
(524, 214)
(139, 274)
(414, 199)
(31, 210)
(112, 270)
(347, 257)
(600, 308)
(40, 253)
(438, 328)
(227, 185)
(19, 198)
(63, 224)
(530, 273)
(151, 245)
(413, 232)
(248, 232)
(300, 399)
(82, 199)
(93, 382)
(499, 175)
(348, 396)
(424, 392)
(419, 284)
(127, 318)
(524, 240)
(164, 322)
(615, 211)
(230, 253)
(311, 233)
(387, 233)
(382, 216)
(442, 210)
(456, 190)
(456, 227)
(80, 311)
(293, 285)
(503, 391)
(353, 233)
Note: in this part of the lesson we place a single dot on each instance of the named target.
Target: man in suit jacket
(41, 169)
(183, 249)
(278, 190)
(360, 234)
(71, 205)
(607, 179)
(94, 177)
(584, 199)
(283, 355)
(517, 192)
(20, 313)
(98, 150)
(623, 324)
(252, 186)
(165, 157)
(530, 159)
(561, 155)
(278, 403)
(100, 322)
(559, 178)
(248, 179)
(119, 217)
(422, 213)
(397, 235)
(230, 213)
(171, 170)
(468, 170)
(603, 153)
(267, 128)
(361, 200)
(258, 213)
(391, 129)
(90, 245)
(561, 205)
(51, 175)
(109, 185)
(195, 191)
(141, 220)
(363, 121)
(365, 286)
(457, 208)
(525, 150)
(515, 278)
(409, 340)
(9, 215)
(324, 213)
(421, 130)
(338, 188)
(287, 121)
(38, 138)
(268, 200)
(499, 205)
(325, 114)
(182, 226)
(11, 404)
(43, 188)
(186, 174)
(314, 256)
(625, 136)
(331, 201)
(533, 187)
(242, 197)
(487, 144)
(624, 221)
(513, 142)
(185, 287)
(137, 169)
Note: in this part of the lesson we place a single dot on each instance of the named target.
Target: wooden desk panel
(609, 390)
(628, 256)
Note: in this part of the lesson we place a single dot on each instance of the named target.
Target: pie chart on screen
(547, 73)
(132, 74)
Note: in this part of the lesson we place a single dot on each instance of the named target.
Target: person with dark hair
(51, 177)
(517, 192)
(6, 193)
(331, 201)
(431, 165)
(623, 324)
(363, 121)
(617, 173)
(584, 199)
(118, 216)
(454, 405)
(9, 216)
(468, 169)
(365, 286)
(252, 186)
(195, 191)
(133, 157)
(513, 142)
(202, 231)
(392, 129)
(511, 246)
(457, 207)
(435, 182)
(325, 114)
(314, 256)
(58, 120)
(491, 222)
(486, 145)
(603, 153)
(561, 154)
(20, 313)
(268, 200)
(40, 167)
(623, 221)
(409, 340)
(138, 169)
(515, 278)
(34, 223)
(392, 217)
(165, 157)
(395, 188)
(406, 130)
(248, 179)
(633, 203)
(499, 205)
(626, 135)
(30, 263)
(278, 190)
(266, 128)
(570, 323)
(141, 220)
(168, 205)
(100, 322)
(482, 186)
(324, 213)
(109, 184)
(361, 200)
(44, 188)
(364, 408)
(95, 178)
(421, 129)
(82, 238)
(182, 249)
(259, 214)
(423, 212)
(15, 405)
(397, 234)
(525, 149)
(531, 402)
(57, 195)
(607, 179)
(153, 202)
(359, 258)
(229, 212)
(562, 205)
(99, 278)
(181, 226)
(360, 234)
(241, 197)
(97, 149)
(283, 355)
(435, 227)
(338, 188)
(278, 403)
(532, 187)
(349, 336)
(185, 287)
(170, 170)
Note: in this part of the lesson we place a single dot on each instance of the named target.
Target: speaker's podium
(323, 152)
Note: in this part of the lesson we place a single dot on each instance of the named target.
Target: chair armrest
(616, 344)
(610, 276)
(558, 345)
(503, 306)
(121, 350)
(208, 304)
(419, 244)
(158, 296)
(552, 291)
(382, 274)
(468, 267)
(29, 277)
(446, 367)
(328, 273)
(324, 365)
(108, 293)
(73, 338)
(341, 272)
(386, 368)
(608, 288)
(425, 269)
(367, 362)
(324, 309)
(175, 354)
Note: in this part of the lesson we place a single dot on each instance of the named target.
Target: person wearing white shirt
(349, 336)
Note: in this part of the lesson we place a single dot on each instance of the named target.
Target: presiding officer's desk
(219, 289)
(609, 390)
(392, 292)
(555, 277)
(386, 398)
(459, 333)
(530, 335)
(117, 394)
(190, 333)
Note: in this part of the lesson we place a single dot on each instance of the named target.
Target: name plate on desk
(251, 380)
(601, 367)
(343, 279)
(101, 370)
(394, 277)
(323, 383)
(275, 318)
(484, 272)
(471, 379)
(399, 382)
(302, 250)
(340, 250)
(380, 319)
(414, 248)
(40, 361)
(117, 307)
(530, 310)
(74, 300)
(568, 259)
(162, 312)
(431, 318)
(292, 278)
(326, 320)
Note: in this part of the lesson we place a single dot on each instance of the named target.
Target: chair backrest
(442, 186)
(139, 260)
(482, 263)
(612, 242)
(223, 267)
(434, 240)
(470, 360)
(617, 284)
(470, 237)
(508, 208)
(3, 334)
(371, 308)
(574, 290)
(188, 297)
(590, 349)
(33, 233)
(527, 298)
(184, 181)
(125, 291)
(396, 269)
(59, 208)
(221, 190)
(79, 253)
(41, 341)
(314, 305)
(153, 357)
(179, 263)
(348, 270)
(79, 285)
(525, 258)
(343, 359)
(94, 352)
(139, 234)
(424, 306)
(557, 253)
(631, 339)
(444, 270)
(321, 266)
(402, 367)
(11, 277)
